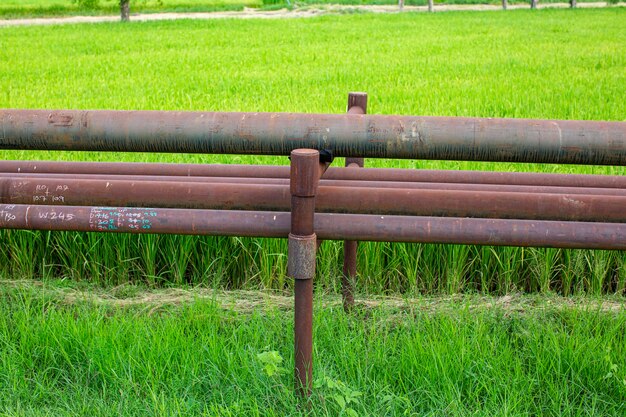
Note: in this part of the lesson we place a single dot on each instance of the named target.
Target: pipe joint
(301, 256)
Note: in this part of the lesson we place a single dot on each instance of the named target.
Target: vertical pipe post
(304, 179)
(357, 104)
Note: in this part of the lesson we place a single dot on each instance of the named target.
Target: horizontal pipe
(345, 135)
(479, 177)
(168, 178)
(496, 232)
(82, 192)
(269, 171)
(420, 202)
(331, 183)
(142, 168)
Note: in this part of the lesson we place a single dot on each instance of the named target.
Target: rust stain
(60, 119)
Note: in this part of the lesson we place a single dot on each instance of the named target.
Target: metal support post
(304, 179)
(357, 104)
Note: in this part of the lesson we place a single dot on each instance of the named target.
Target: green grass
(42, 8)
(565, 64)
(80, 351)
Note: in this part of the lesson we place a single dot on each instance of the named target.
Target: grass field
(550, 64)
(67, 351)
(39, 8)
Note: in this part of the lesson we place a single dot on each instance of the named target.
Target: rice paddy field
(566, 64)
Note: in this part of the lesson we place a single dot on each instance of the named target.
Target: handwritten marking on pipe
(6, 215)
(55, 215)
(45, 194)
(122, 218)
(577, 203)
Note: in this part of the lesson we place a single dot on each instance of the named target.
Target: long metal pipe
(496, 232)
(329, 183)
(371, 136)
(421, 202)
(270, 171)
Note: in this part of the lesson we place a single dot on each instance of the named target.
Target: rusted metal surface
(371, 136)
(145, 220)
(366, 174)
(301, 267)
(83, 192)
(496, 232)
(479, 177)
(573, 207)
(418, 202)
(140, 168)
(357, 104)
(175, 178)
(529, 189)
(301, 260)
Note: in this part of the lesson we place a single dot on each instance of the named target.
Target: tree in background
(95, 4)
(125, 10)
(87, 4)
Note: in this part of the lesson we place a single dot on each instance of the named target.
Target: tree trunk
(572, 4)
(505, 4)
(125, 10)
(401, 4)
(430, 6)
(533, 4)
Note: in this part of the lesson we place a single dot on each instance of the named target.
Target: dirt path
(152, 300)
(282, 14)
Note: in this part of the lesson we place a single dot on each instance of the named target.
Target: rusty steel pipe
(301, 260)
(145, 220)
(469, 231)
(331, 183)
(349, 269)
(421, 202)
(479, 177)
(363, 227)
(357, 104)
(82, 192)
(142, 168)
(269, 171)
(371, 136)
(180, 179)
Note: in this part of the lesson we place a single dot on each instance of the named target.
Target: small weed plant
(344, 397)
(271, 361)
